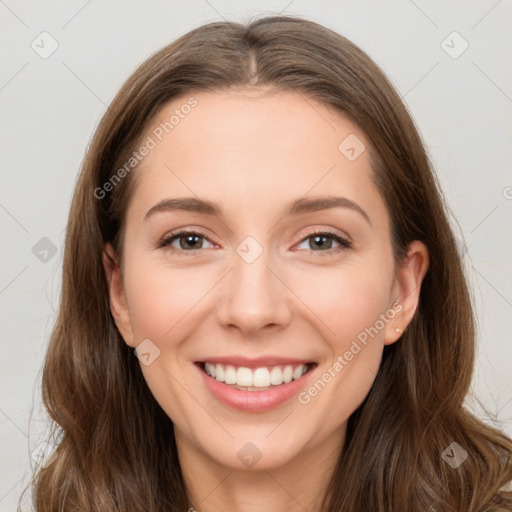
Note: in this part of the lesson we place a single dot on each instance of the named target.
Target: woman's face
(276, 278)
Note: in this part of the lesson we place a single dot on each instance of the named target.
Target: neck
(298, 485)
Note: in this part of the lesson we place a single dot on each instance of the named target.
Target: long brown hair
(115, 446)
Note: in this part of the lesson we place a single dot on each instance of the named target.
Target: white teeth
(219, 373)
(209, 369)
(258, 377)
(230, 375)
(244, 376)
(261, 378)
(298, 371)
(288, 374)
(276, 376)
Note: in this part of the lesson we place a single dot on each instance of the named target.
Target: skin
(253, 151)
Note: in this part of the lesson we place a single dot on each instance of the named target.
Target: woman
(263, 306)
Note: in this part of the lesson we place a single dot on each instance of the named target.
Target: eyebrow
(296, 207)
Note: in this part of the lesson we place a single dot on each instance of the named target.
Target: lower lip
(254, 401)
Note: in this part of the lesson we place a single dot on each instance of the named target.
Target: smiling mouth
(255, 379)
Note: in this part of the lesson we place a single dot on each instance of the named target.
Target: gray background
(51, 106)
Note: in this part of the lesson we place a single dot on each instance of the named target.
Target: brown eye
(322, 242)
(187, 241)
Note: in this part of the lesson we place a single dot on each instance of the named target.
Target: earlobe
(409, 278)
(117, 297)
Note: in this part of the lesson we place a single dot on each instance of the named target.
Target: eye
(324, 241)
(187, 241)
(191, 241)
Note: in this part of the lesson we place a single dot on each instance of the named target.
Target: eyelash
(344, 243)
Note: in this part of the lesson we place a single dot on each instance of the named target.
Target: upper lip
(256, 362)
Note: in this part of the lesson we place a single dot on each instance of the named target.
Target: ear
(407, 289)
(117, 297)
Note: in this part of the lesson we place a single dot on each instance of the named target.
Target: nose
(254, 297)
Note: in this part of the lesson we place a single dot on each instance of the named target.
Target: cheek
(163, 304)
(346, 300)
(161, 298)
(349, 301)
(341, 301)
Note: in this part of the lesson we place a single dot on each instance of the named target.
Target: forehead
(252, 120)
(251, 147)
